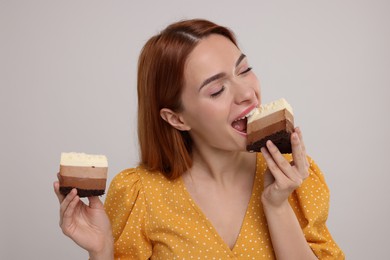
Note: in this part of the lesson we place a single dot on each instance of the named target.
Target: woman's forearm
(287, 237)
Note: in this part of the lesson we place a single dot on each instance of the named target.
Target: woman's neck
(222, 167)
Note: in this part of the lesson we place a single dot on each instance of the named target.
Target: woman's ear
(174, 119)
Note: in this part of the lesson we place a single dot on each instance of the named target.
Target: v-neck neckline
(207, 220)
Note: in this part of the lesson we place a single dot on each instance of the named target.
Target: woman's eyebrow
(242, 56)
(211, 79)
(220, 75)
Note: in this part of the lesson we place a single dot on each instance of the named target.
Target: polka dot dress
(153, 217)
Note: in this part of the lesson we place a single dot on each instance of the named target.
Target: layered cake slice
(86, 172)
(273, 121)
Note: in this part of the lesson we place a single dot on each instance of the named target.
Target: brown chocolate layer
(276, 127)
(83, 171)
(82, 183)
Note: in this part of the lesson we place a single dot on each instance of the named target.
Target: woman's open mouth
(240, 123)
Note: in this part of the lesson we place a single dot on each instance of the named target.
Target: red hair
(160, 82)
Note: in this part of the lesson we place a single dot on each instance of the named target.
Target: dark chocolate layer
(281, 139)
(81, 192)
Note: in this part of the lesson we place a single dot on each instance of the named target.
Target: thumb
(95, 203)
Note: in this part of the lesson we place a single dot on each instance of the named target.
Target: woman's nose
(243, 93)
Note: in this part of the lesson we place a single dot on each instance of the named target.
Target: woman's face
(219, 91)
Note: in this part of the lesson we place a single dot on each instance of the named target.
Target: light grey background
(68, 83)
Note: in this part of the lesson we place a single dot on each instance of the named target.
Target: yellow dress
(153, 217)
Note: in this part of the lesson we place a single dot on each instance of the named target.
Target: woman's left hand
(282, 177)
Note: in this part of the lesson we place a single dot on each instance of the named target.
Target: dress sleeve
(126, 209)
(311, 205)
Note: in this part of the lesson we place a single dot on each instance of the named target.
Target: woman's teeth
(240, 123)
(247, 115)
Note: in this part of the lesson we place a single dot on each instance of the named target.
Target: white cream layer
(267, 109)
(83, 160)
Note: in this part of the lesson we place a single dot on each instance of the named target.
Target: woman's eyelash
(219, 92)
(247, 70)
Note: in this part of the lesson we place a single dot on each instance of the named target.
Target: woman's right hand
(87, 225)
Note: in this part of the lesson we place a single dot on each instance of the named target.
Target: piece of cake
(86, 172)
(273, 121)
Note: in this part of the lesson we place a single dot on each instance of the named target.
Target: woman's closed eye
(219, 92)
(246, 70)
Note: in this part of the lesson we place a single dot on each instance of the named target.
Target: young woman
(197, 193)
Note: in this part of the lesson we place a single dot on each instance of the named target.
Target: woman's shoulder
(137, 178)
(138, 186)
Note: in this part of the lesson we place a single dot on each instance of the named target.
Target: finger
(95, 203)
(285, 166)
(297, 153)
(268, 177)
(279, 159)
(300, 135)
(68, 213)
(299, 132)
(299, 158)
(67, 200)
(56, 186)
(68, 205)
(272, 166)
